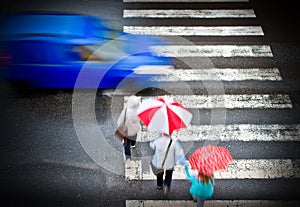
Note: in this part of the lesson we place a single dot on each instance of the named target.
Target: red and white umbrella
(163, 115)
(208, 159)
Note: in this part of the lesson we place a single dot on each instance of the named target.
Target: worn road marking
(222, 74)
(213, 50)
(195, 30)
(189, 13)
(237, 169)
(211, 203)
(231, 101)
(235, 132)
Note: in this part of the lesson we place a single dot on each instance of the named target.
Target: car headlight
(154, 69)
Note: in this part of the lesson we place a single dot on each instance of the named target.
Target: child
(202, 187)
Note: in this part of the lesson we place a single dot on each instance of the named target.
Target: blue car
(54, 50)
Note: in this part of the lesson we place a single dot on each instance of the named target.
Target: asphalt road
(44, 162)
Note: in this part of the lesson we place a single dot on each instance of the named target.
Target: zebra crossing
(240, 169)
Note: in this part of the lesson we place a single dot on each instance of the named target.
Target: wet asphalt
(45, 162)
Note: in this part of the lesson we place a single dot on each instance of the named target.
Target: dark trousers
(168, 178)
(127, 147)
(200, 202)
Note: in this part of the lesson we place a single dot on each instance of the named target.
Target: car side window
(86, 54)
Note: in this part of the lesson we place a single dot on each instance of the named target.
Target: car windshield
(110, 50)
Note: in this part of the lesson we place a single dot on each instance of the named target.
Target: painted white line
(189, 13)
(237, 169)
(195, 30)
(211, 203)
(222, 74)
(228, 101)
(213, 50)
(235, 132)
(182, 1)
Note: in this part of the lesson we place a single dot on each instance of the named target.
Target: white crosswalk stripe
(195, 30)
(222, 74)
(213, 50)
(232, 101)
(238, 169)
(234, 132)
(183, 13)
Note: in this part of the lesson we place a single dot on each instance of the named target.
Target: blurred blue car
(54, 50)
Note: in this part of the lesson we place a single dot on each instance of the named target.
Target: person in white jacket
(132, 124)
(174, 156)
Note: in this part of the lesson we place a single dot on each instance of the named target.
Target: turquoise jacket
(199, 189)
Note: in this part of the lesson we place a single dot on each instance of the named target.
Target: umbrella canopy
(208, 159)
(162, 115)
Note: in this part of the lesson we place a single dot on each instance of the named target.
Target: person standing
(202, 187)
(131, 122)
(166, 159)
